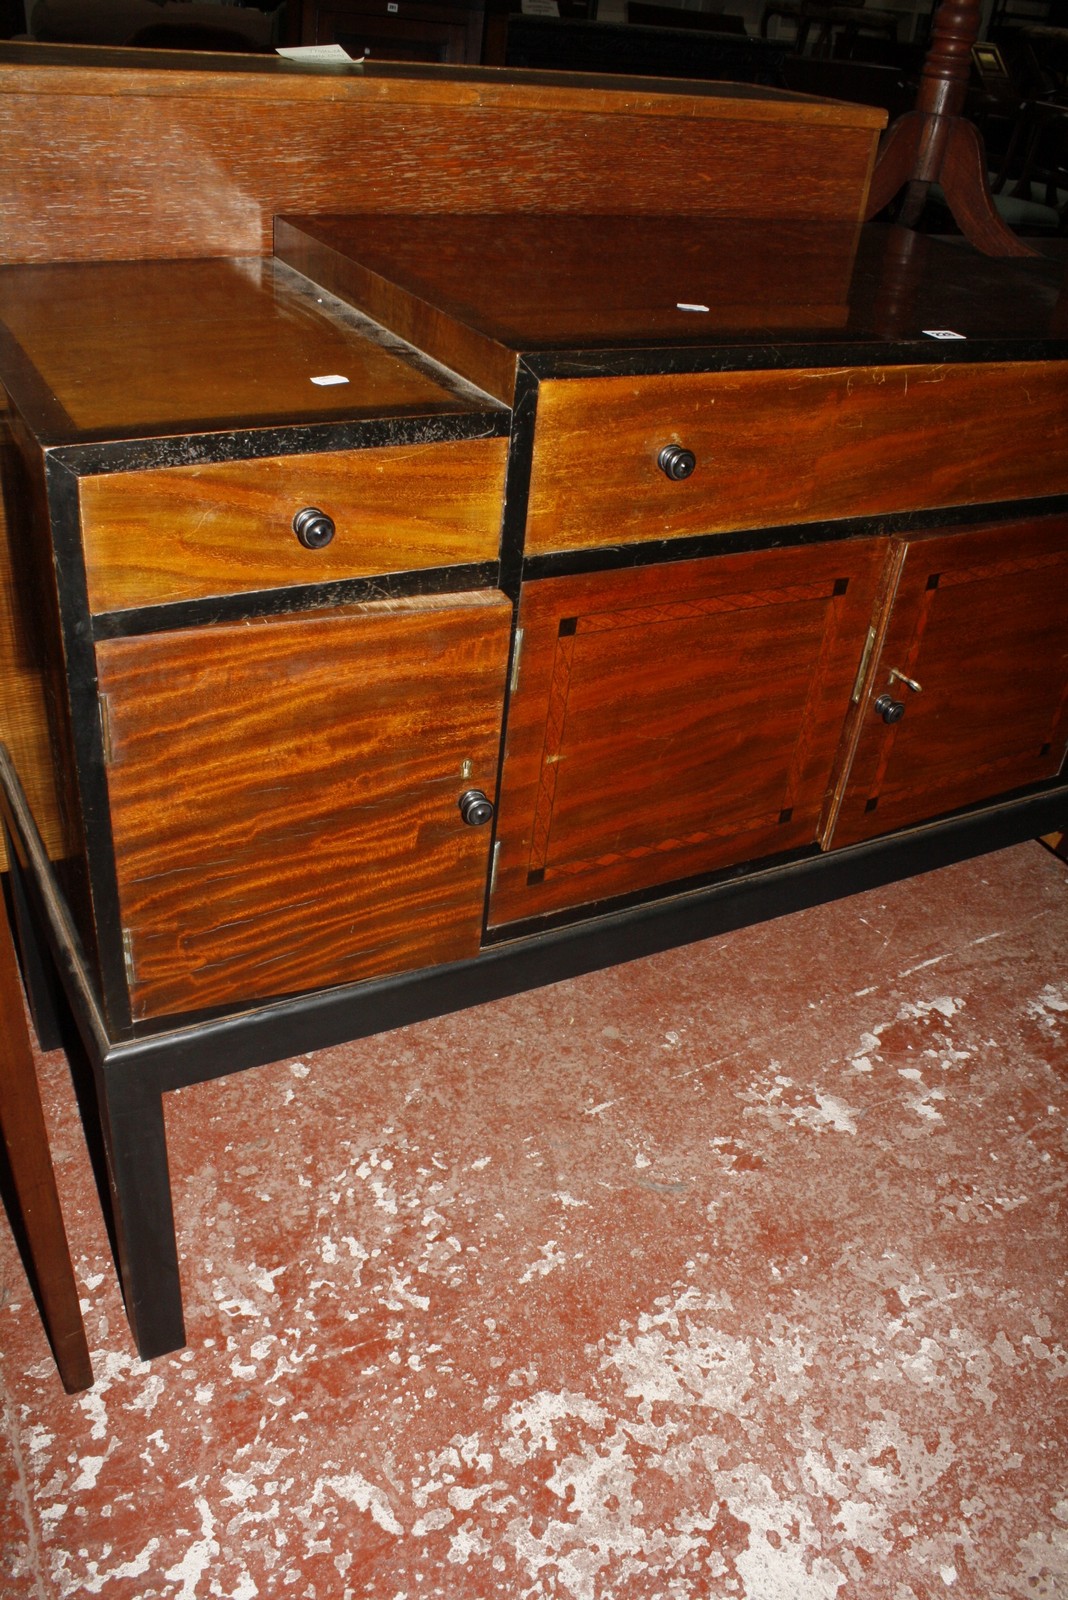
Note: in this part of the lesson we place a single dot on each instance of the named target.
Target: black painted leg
(39, 977)
(131, 1114)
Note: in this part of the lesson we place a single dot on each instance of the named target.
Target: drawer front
(775, 448)
(186, 533)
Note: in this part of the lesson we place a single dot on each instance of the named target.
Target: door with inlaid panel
(673, 719)
(284, 796)
(966, 697)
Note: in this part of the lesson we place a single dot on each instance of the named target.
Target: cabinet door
(670, 720)
(284, 796)
(978, 622)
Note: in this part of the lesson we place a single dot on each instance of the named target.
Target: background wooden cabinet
(284, 796)
(396, 30)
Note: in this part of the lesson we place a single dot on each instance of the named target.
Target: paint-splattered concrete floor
(738, 1272)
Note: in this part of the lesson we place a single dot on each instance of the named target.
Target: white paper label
(684, 305)
(330, 377)
(540, 8)
(943, 333)
(314, 52)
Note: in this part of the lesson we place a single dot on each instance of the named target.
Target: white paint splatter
(780, 1561)
(149, 1397)
(1052, 999)
(829, 1112)
(465, 1544)
(551, 1258)
(944, 1005)
(90, 1470)
(354, 1488)
(402, 1294)
(530, 1424)
(93, 1581)
(432, 1522)
(193, 1565)
(264, 1279)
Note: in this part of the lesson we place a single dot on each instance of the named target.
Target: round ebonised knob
(475, 808)
(889, 709)
(675, 462)
(313, 528)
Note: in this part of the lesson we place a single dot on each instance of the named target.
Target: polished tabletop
(111, 349)
(124, 349)
(534, 284)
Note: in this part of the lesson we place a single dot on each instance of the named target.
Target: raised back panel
(132, 162)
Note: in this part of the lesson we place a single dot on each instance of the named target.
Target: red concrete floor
(734, 1274)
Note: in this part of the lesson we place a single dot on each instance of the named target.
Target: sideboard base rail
(132, 1075)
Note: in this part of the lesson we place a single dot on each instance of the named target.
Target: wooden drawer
(185, 533)
(800, 446)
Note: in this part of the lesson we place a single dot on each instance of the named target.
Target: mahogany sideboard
(434, 600)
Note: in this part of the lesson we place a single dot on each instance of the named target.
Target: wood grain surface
(206, 159)
(338, 254)
(980, 621)
(29, 1162)
(23, 704)
(670, 720)
(463, 289)
(790, 447)
(35, 68)
(183, 533)
(597, 279)
(196, 345)
(284, 796)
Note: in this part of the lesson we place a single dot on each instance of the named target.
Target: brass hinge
(128, 956)
(105, 726)
(862, 670)
(517, 652)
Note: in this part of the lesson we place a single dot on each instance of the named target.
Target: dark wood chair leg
(898, 160)
(968, 195)
(26, 1140)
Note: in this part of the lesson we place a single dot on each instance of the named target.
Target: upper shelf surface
(122, 349)
(34, 67)
(479, 292)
